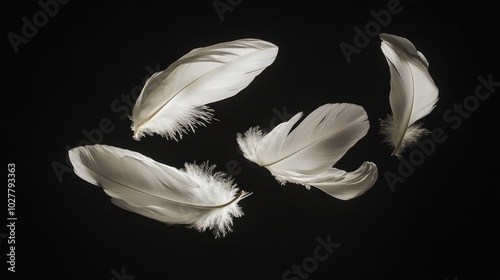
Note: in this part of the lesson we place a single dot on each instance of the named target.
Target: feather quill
(194, 196)
(174, 101)
(304, 153)
(413, 93)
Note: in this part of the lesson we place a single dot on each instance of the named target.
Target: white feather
(173, 101)
(195, 196)
(413, 93)
(306, 154)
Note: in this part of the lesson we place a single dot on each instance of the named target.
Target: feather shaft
(174, 101)
(413, 93)
(304, 153)
(195, 196)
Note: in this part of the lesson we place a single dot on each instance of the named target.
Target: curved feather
(195, 196)
(173, 101)
(352, 184)
(304, 153)
(413, 92)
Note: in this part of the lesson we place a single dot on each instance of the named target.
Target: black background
(440, 223)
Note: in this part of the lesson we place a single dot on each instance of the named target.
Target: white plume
(173, 101)
(413, 93)
(195, 196)
(306, 154)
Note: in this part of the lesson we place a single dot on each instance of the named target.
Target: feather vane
(174, 101)
(195, 196)
(413, 93)
(304, 153)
